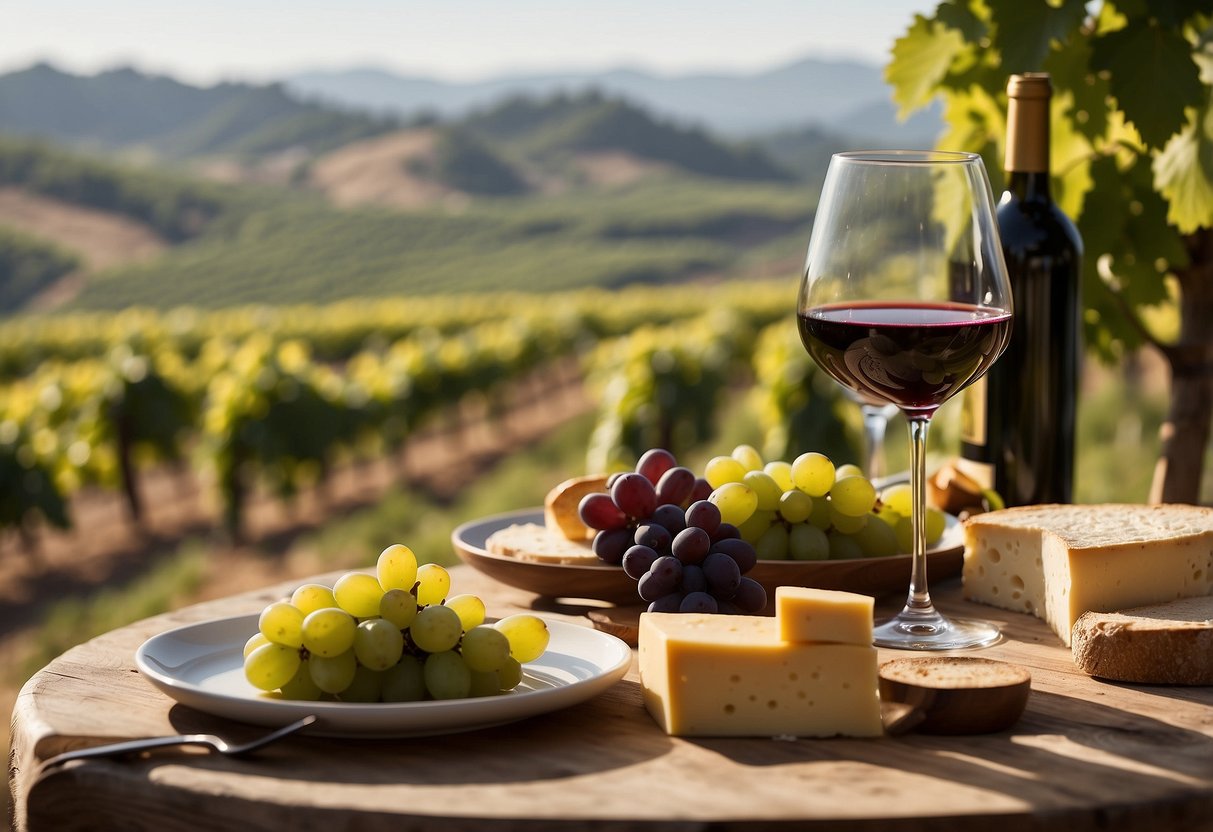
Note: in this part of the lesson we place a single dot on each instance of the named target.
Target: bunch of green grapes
(393, 636)
(810, 510)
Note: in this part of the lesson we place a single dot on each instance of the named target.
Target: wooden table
(1087, 755)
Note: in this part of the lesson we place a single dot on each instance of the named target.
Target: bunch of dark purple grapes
(658, 524)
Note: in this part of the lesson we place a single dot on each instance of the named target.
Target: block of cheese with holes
(809, 614)
(1059, 561)
(732, 675)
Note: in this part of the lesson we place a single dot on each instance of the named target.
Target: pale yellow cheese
(732, 675)
(823, 615)
(1059, 561)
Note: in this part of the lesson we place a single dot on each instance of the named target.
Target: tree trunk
(1185, 434)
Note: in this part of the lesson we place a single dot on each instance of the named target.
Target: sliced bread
(532, 542)
(1165, 644)
(1059, 561)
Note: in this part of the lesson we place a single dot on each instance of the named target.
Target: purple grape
(691, 545)
(675, 486)
(693, 579)
(698, 602)
(637, 560)
(663, 578)
(610, 544)
(705, 515)
(671, 517)
(728, 608)
(740, 551)
(655, 462)
(598, 511)
(634, 495)
(656, 537)
(611, 479)
(701, 491)
(667, 603)
(723, 575)
(726, 531)
(751, 597)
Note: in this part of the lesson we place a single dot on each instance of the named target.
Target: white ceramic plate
(201, 665)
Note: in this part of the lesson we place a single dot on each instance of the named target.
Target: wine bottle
(1018, 423)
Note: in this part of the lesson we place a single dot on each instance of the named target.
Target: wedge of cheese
(823, 615)
(732, 675)
(1059, 561)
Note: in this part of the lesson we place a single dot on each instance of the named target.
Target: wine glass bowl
(905, 300)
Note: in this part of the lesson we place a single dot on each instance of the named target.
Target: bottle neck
(1028, 187)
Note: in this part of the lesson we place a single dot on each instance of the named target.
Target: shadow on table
(1065, 755)
(602, 734)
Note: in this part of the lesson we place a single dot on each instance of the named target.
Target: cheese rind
(806, 614)
(732, 675)
(1059, 561)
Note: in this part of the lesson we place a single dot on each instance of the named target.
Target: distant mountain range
(844, 97)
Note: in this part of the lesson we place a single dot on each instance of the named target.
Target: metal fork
(211, 741)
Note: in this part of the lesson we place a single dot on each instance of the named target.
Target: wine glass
(905, 300)
(876, 416)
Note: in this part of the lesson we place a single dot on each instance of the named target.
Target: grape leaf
(921, 58)
(1152, 75)
(961, 17)
(1175, 13)
(1070, 69)
(1024, 30)
(1183, 173)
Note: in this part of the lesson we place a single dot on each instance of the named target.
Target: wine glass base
(931, 631)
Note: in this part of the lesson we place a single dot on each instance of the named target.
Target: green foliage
(1132, 143)
(465, 163)
(27, 266)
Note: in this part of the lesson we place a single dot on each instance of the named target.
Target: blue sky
(454, 39)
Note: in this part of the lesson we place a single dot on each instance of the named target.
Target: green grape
(853, 496)
(795, 506)
(821, 516)
(255, 640)
(484, 683)
(485, 648)
(435, 584)
(781, 472)
(846, 523)
(758, 523)
(469, 608)
(765, 489)
(877, 539)
(397, 568)
(366, 686)
(328, 632)
(510, 675)
(528, 636)
(436, 628)
(447, 676)
(898, 498)
(889, 516)
(358, 594)
(399, 607)
(813, 473)
(905, 535)
(848, 470)
(773, 544)
(404, 681)
(737, 502)
(333, 674)
(844, 546)
(311, 597)
(936, 523)
(807, 542)
(749, 457)
(282, 623)
(271, 666)
(723, 469)
(378, 644)
(301, 685)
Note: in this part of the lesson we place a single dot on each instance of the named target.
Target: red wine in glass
(914, 355)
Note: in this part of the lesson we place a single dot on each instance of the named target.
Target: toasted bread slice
(560, 506)
(532, 542)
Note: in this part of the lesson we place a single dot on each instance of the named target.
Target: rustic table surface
(1087, 755)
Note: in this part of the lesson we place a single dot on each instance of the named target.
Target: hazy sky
(209, 40)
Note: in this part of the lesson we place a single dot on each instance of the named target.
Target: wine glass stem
(919, 601)
(874, 424)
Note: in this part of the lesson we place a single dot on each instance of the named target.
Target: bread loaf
(1166, 644)
(560, 506)
(1059, 561)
